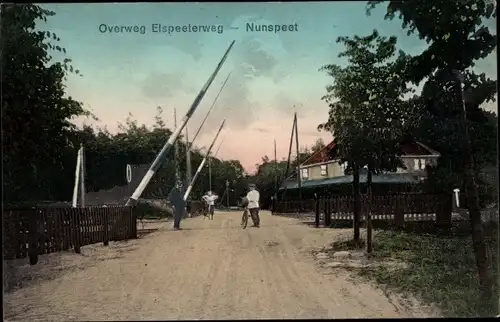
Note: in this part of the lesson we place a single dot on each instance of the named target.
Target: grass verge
(440, 270)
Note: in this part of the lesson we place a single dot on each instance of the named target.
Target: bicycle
(244, 219)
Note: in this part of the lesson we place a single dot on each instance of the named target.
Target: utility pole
(290, 148)
(209, 173)
(289, 155)
(299, 179)
(478, 243)
(176, 151)
(188, 159)
(275, 173)
(227, 192)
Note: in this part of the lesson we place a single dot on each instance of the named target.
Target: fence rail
(30, 232)
(398, 208)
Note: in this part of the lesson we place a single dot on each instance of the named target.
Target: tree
(318, 145)
(36, 112)
(368, 116)
(267, 172)
(457, 38)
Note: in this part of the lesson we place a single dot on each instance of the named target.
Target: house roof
(322, 155)
(411, 148)
(416, 148)
(387, 178)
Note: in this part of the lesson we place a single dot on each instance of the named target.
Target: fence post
(133, 214)
(105, 219)
(78, 233)
(328, 214)
(32, 238)
(399, 216)
(316, 211)
(443, 211)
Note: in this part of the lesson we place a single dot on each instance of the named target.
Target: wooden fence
(31, 232)
(395, 209)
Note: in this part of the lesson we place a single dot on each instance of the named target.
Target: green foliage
(36, 111)
(368, 116)
(453, 28)
(457, 38)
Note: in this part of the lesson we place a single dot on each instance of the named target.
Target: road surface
(208, 270)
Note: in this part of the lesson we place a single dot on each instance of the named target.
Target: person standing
(177, 201)
(209, 199)
(253, 197)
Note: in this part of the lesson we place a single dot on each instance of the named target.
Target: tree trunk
(369, 212)
(357, 197)
(478, 241)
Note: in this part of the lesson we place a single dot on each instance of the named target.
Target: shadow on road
(18, 273)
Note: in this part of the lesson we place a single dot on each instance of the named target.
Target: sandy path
(208, 270)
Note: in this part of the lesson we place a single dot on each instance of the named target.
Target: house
(322, 172)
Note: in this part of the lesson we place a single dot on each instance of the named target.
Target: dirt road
(208, 270)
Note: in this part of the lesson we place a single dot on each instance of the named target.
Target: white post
(457, 194)
(82, 177)
(77, 177)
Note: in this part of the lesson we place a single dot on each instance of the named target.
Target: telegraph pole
(176, 151)
(289, 155)
(188, 158)
(209, 173)
(299, 179)
(275, 173)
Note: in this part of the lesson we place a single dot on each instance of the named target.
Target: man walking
(253, 197)
(177, 201)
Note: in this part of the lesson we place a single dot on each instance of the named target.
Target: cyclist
(253, 197)
(210, 198)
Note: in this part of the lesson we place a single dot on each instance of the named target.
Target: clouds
(160, 85)
(238, 102)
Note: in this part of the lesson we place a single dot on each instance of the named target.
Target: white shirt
(253, 197)
(210, 200)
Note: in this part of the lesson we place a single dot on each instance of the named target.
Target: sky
(131, 63)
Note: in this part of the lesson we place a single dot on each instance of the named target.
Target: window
(415, 164)
(323, 170)
(422, 164)
(419, 164)
(305, 173)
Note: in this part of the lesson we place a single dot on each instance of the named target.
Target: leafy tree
(457, 38)
(267, 175)
(317, 146)
(368, 116)
(36, 111)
